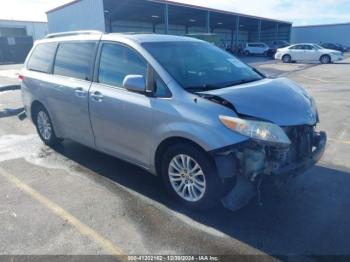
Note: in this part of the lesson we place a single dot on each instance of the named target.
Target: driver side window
(117, 61)
(160, 88)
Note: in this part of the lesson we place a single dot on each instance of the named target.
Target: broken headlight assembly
(257, 130)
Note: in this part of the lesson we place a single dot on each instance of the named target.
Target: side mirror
(135, 83)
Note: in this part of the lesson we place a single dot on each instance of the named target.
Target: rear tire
(287, 59)
(191, 177)
(44, 127)
(247, 53)
(325, 59)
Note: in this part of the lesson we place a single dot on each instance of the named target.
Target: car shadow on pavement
(309, 216)
(7, 112)
(9, 88)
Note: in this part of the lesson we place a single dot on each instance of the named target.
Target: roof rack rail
(132, 33)
(72, 33)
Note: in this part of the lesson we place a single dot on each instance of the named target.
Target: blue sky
(300, 12)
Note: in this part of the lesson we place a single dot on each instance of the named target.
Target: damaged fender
(243, 189)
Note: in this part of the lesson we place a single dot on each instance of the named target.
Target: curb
(9, 88)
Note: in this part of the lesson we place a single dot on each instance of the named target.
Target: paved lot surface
(8, 76)
(73, 200)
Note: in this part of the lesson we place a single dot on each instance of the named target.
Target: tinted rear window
(42, 57)
(75, 60)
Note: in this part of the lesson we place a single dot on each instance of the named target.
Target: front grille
(302, 138)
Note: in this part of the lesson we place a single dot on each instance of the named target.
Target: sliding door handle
(96, 96)
(80, 92)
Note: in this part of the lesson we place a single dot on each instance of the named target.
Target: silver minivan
(213, 127)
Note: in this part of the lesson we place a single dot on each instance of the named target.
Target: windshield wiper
(244, 81)
(202, 88)
(240, 82)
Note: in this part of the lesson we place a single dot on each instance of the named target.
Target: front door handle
(80, 92)
(97, 96)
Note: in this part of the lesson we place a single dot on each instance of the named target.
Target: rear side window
(118, 61)
(297, 47)
(42, 58)
(75, 60)
(308, 47)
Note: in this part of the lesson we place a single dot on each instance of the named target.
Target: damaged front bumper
(255, 161)
(302, 165)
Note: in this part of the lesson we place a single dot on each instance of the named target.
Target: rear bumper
(301, 166)
(278, 56)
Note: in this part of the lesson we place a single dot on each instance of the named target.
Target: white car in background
(256, 49)
(308, 53)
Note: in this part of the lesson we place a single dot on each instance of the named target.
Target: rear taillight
(21, 77)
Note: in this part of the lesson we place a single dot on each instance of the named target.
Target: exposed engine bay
(256, 161)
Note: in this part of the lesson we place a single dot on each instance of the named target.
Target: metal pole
(166, 18)
(232, 39)
(289, 33)
(259, 30)
(237, 33)
(208, 22)
(110, 24)
(276, 33)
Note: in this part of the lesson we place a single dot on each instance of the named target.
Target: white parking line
(346, 142)
(63, 214)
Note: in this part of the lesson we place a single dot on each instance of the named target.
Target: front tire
(325, 59)
(190, 176)
(44, 126)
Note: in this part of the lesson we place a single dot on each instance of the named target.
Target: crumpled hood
(280, 101)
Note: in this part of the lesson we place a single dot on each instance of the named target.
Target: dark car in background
(276, 45)
(346, 48)
(332, 46)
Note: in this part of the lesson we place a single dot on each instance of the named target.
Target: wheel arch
(37, 104)
(166, 143)
(287, 54)
(34, 106)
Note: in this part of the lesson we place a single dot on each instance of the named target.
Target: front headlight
(257, 130)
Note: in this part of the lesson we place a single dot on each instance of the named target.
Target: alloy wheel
(325, 59)
(44, 125)
(187, 178)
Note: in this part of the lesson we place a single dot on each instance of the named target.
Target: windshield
(200, 66)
